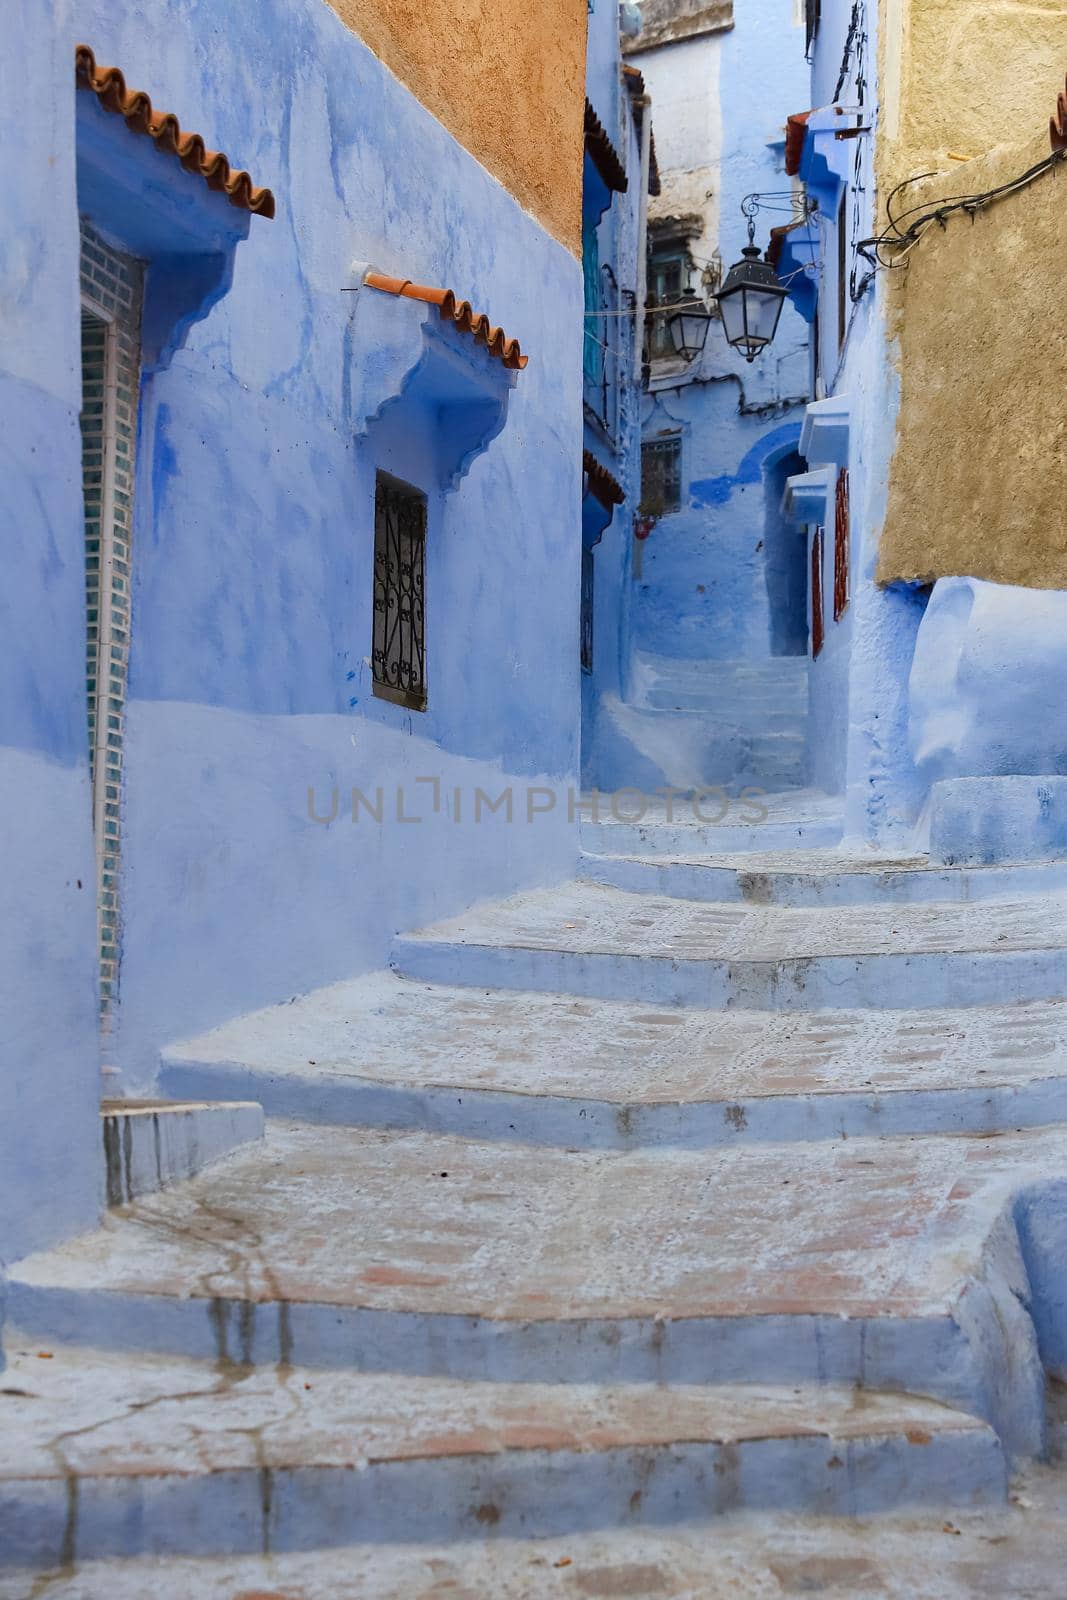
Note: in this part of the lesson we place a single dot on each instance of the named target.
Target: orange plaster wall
(506, 77)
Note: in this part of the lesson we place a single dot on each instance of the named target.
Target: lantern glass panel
(732, 308)
(762, 310)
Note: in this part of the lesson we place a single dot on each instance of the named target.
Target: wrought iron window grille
(399, 644)
(661, 476)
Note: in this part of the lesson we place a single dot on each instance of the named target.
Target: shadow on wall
(785, 562)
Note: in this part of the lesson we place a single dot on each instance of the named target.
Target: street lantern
(688, 326)
(750, 303)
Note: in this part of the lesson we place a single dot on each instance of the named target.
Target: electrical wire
(850, 39)
(900, 241)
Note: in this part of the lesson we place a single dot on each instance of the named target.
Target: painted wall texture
(51, 1176)
(506, 80)
(954, 452)
(859, 715)
(982, 353)
(976, 347)
(960, 77)
(263, 421)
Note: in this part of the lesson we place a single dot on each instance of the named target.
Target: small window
(588, 573)
(667, 272)
(812, 10)
(593, 342)
(661, 476)
(399, 648)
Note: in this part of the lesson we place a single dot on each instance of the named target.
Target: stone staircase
(731, 1177)
(703, 721)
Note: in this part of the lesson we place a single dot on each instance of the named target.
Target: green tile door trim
(111, 291)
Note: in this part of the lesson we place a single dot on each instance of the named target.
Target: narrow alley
(535, 981)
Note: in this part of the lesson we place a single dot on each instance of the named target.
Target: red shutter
(841, 546)
(816, 593)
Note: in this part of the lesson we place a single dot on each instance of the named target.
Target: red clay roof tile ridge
(602, 485)
(459, 312)
(109, 86)
(796, 128)
(635, 87)
(603, 153)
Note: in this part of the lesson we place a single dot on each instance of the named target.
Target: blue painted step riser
(804, 983)
(892, 887)
(528, 1493)
(929, 1355)
(595, 1125)
(648, 839)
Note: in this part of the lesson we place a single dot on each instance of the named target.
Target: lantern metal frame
(754, 275)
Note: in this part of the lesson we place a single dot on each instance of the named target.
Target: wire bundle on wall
(901, 241)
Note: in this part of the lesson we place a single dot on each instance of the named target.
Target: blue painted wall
(703, 591)
(250, 680)
(859, 695)
(50, 1166)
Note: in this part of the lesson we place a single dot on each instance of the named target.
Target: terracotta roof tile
(1057, 127)
(635, 83)
(795, 129)
(458, 312)
(109, 86)
(604, 154)
(606, 489)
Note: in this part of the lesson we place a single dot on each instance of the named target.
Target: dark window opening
(668, 270)
(812, 13)
(841, 546)
(661, 476)
(588, 569)
(399, 647)
(817, 629)
(592, 344)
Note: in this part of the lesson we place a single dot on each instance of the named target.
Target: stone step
(151, 1143)
(921, 1264)
(729, 819)
(777, 670)
(820, 878)
(103, 1456)
(587, 939)
(599, 1074)
(768, 712)
(1013, 1552)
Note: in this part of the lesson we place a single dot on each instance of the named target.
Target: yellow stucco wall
(978, 480)
(978, 483)
(974, 73)
(507, 79)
